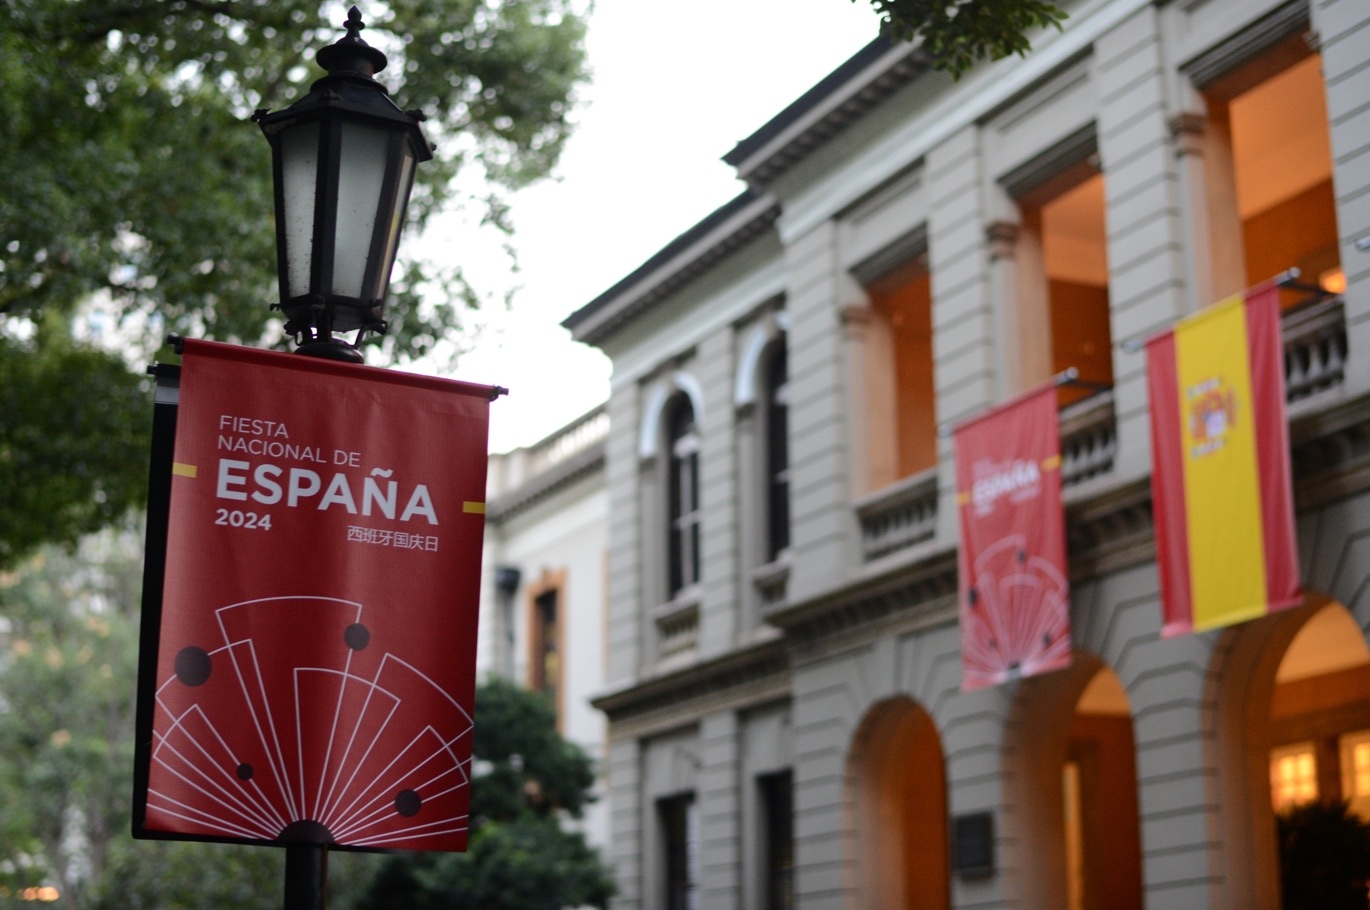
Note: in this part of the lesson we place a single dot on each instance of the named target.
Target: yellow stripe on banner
(183, 470)
(473, 508)
(1222, 491)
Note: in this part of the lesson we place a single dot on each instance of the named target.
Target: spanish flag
(1220, 484)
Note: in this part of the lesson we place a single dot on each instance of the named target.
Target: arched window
(683, 495)
(777, 451)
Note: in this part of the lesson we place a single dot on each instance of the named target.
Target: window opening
(1074, 251)
(900, 384)
(546, 662)
(680, 829)
(1293, 776)
(777, 801)
(777, 453)
(684, 497)
(1355, 771)
(1282, 171)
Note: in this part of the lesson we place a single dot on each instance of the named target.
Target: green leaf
(957, 34)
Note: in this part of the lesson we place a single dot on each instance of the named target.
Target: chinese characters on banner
(1220, 482)
(309, 666)
(1015, 598)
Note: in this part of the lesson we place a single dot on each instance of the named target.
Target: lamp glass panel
(396, 222)
(299, 151)
(362, 159)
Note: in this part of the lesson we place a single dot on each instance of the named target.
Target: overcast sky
(675, 87)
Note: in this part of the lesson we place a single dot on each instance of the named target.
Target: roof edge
(719, 233)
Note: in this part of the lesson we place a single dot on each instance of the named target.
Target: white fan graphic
(292, 728)
(1015, 618)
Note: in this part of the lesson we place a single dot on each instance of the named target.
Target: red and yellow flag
(1220, 483)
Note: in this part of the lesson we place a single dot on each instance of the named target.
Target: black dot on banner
(245, 771)
(973, 597)
(193, 666)
(357, 636)
(408, 803)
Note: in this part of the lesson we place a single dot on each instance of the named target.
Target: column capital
(1001, 237)
(1187, 130)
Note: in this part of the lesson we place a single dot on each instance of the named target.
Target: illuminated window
(899, 380)
(1275, 119)
(1293, 776)
(1067, 229)
(1355, 771)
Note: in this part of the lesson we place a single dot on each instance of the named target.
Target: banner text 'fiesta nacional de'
(314, 658)
(1015, 598)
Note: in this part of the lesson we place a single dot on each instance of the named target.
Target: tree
(132, 181)
(129, 167)
(958, 33)
(68, 661)
(1324, 857)
(520, 857)
(73, 441)
(68, 658)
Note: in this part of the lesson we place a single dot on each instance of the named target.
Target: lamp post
(343, 159)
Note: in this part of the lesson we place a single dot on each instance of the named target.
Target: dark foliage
(1324, 857)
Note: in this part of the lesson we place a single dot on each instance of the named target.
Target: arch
(649, 433)
(897, 795)
(747, 385)
(1071, 790)
(1302, 673)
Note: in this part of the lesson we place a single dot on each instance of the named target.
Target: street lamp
(343, 161)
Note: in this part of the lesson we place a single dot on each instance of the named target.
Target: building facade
(542, 610)
(786, 721)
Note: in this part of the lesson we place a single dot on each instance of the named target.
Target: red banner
(314, 674)
(1015, 597)
(1221, 490)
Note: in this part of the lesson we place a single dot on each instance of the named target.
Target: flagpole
(1068, 376)
(1285, 279)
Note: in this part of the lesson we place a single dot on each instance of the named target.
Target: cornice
(1248, 43)
(922, 591)
(701, 248)
(1109, 531)
(752, 674)
(850, 92)
(1330, 451)
(544, 485)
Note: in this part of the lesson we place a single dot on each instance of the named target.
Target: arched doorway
(1320, 715)
(898, 795)
(1293, 726)
(1073, 790)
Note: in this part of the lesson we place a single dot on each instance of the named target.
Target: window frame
(683, 511)
(678, 818)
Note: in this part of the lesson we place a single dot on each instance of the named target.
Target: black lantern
(343, 159)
